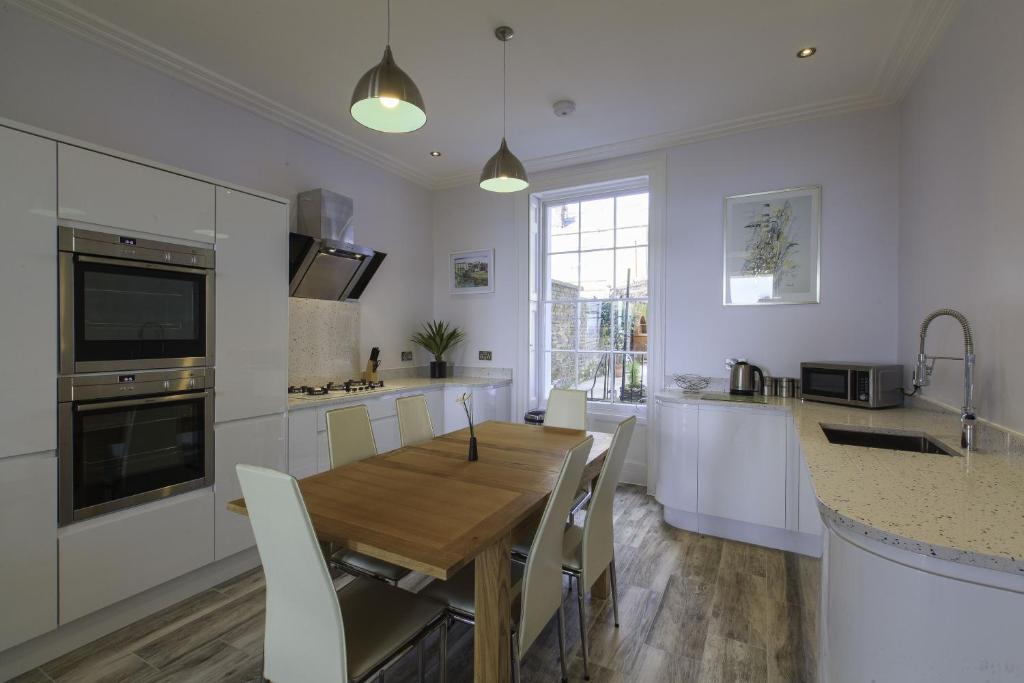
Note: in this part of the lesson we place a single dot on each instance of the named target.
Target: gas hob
(336, 390)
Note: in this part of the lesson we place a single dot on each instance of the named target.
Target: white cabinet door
(110, 558)
(302, 446)
(257, 441)
(98, 188)
(485, 406)
(323, 452)
(28, 538)
(742, 465)
(809, 516)
(435, 406)
(503, 403)
(252, 306)
(454, 413)
(386, 434)
(28, 306)
(677, 451)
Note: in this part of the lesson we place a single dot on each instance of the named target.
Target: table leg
(491, 653)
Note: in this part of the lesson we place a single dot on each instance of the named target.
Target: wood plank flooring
(691, 609)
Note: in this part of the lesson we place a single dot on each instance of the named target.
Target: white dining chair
(589, 550)
(539, 592)
(414, 424)
(567, 408)
(350, 438)
(306, 639)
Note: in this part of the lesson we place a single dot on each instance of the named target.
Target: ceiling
(644, 73)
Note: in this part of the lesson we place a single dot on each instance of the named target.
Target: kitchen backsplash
(323, 342)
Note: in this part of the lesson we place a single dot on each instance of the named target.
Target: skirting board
(771, 537)
(37, 651)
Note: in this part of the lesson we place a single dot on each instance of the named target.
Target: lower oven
(130, 438)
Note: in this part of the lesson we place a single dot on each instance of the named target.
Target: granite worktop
(967, 508)
(395, 386)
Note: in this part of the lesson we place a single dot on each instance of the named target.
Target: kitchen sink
(898, 440)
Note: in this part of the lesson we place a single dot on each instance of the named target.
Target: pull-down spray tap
(925, 365)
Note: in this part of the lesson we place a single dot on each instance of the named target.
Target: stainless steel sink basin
(898, 440)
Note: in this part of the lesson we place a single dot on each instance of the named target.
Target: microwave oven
(864, 385)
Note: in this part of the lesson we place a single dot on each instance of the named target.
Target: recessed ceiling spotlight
(435, 153)
(806, 52)
(563, 108)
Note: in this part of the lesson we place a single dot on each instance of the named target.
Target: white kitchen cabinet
(302, 443)
(809, 516)
(28, 538)
(454, 413)
(110, 558)
(101, 189)
(435, 407)
(256, 441)
(252, 306)
(386, 434)
(491, 403)
(677, 448)
(323, 452)
(741, 473)
(28, 308)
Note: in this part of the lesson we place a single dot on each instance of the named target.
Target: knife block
(369, 374)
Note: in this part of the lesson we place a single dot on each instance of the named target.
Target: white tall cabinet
(28, 466)
(251, 351)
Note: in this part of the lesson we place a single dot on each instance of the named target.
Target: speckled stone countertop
(967, 509)
(395, 386)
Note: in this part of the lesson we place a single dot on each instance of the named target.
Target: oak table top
(427, 508)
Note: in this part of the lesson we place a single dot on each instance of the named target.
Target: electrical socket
(406, 355)
(485, 355)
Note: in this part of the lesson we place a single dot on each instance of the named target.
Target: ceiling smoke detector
(563, 108)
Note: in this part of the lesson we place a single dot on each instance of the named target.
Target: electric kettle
(741, 378)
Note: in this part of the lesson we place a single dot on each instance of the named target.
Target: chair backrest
(349, 435)
(566, 408)
(598, 529)
(542, 580)
(414, 425)
(304, 639)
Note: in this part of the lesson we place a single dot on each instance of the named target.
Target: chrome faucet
(925, 365)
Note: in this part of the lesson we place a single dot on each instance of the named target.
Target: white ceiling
(643, 73)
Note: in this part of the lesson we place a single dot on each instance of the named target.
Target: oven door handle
(149, 400)
(82, 258)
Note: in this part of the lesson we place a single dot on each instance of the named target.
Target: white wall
(57, 82)
(854, 158)
(962, 202)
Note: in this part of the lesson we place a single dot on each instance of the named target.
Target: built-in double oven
(135, 387)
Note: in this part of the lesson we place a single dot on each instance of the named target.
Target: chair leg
(583, 629)
(615, 592)
(443, 647)
(515, 658)
(561, 646)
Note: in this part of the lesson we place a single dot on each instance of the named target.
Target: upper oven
(127, 439)
(128, 303)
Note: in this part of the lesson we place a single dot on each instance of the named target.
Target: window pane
(597, 322)
(635, 326)
(563, 227)
(597, 214)
(562, 325)
(631, 237)
(594, 376)
(631, 268)
(596, 274)
(563, 370)
(563, 271)
(631, 210)
(631, 378)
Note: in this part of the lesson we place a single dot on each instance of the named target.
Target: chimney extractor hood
(323, 260)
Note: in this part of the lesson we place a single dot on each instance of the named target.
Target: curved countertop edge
(833, 517)
(398, 386)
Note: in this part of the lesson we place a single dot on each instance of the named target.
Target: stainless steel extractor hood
(323, 260)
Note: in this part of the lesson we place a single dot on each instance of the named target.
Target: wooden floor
(692, 608)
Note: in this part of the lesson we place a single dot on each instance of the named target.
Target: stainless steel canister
(768, 387)
(786, 387)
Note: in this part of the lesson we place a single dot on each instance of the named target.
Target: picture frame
(771, 247)
(471, 272)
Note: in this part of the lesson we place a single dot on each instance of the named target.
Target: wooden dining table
(429, 509)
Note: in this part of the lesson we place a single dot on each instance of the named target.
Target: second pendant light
(503, 172)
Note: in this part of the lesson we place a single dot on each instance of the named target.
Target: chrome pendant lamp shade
(503, 172)
(386, 99)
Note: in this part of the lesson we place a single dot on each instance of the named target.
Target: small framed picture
(471, 272)
(772, 249)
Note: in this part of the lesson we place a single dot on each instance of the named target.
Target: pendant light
(385, 98)
(503, 172)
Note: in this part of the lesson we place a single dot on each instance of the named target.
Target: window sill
(617, 411)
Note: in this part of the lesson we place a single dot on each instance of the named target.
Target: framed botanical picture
(471, 272)
(772, 249)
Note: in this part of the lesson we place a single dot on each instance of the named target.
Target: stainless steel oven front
(127, 303)
(129, 438)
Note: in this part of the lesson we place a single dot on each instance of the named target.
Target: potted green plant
(438, 337)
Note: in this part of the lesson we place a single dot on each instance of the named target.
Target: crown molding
(101, 32)
(925, 22)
